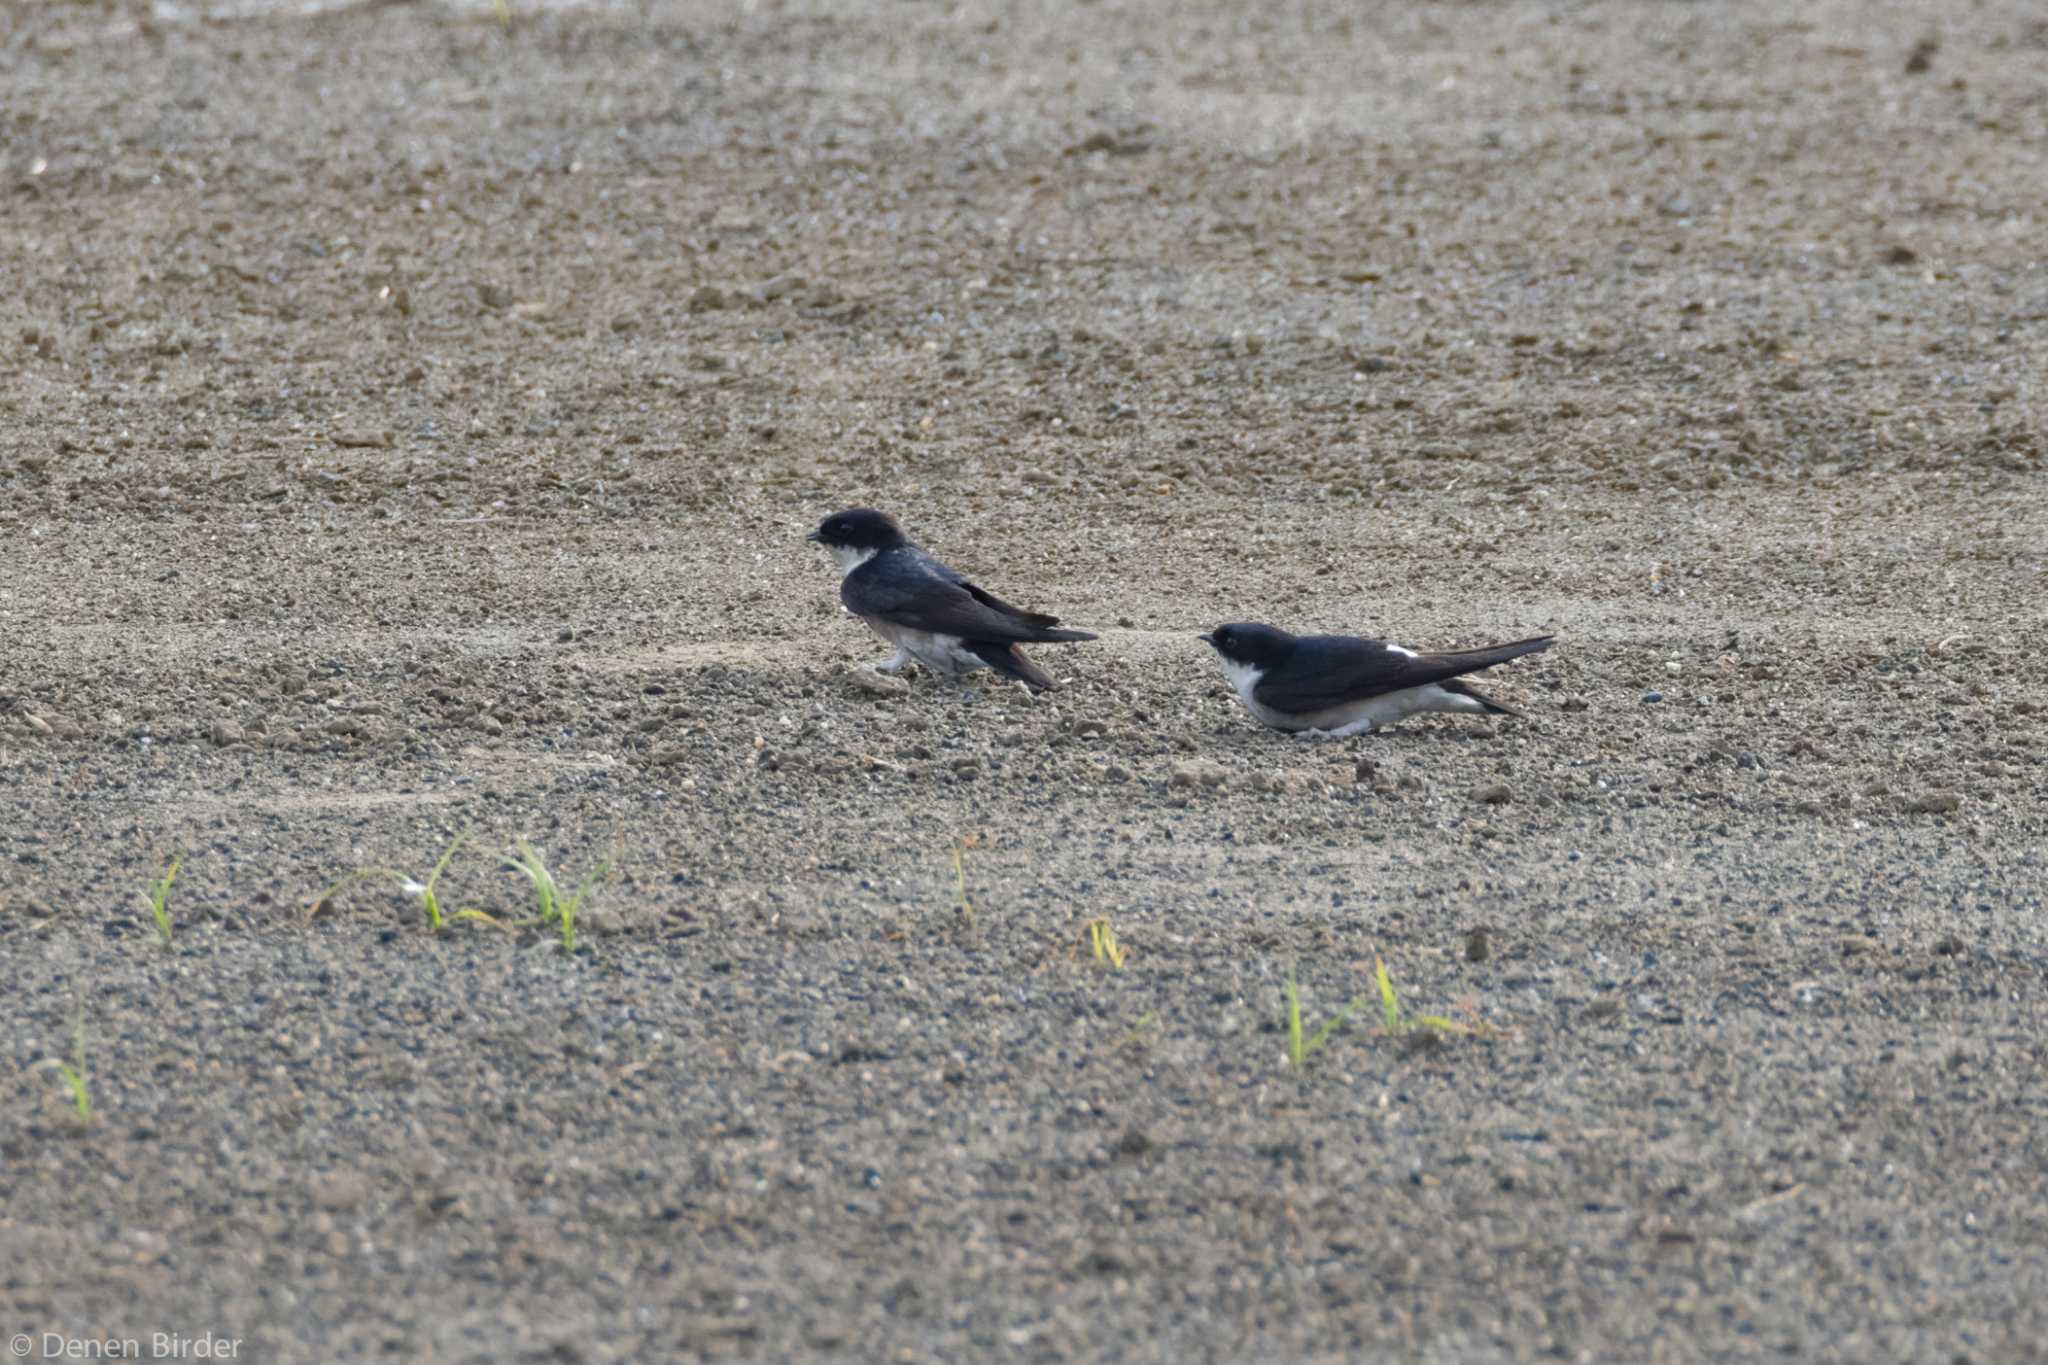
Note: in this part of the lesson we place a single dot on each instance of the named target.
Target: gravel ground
(408, 427)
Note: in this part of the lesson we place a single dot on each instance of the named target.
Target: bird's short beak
(1209, 640)
(812, 537)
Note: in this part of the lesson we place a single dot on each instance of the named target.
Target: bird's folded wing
(995, 603)
(940, 569)
(1326, 673)
(928, 602)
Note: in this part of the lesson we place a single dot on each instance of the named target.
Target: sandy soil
(408, 426)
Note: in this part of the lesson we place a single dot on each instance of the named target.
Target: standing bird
(1331, 686)
(930, 614)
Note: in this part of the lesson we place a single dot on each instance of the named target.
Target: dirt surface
(408, 426)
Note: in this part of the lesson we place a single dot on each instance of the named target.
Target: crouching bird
(1331, 686)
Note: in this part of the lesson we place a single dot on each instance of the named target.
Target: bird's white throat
(1242, 677)
(851, 557)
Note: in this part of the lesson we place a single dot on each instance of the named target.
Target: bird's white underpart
(942, 654)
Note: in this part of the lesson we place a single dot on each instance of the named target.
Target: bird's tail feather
(1006, 659)
(1465, 689)
(1060, 637)
(1469, 660)
(1472, 660)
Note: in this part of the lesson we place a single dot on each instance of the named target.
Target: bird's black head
(1246, 642)
(858, 528)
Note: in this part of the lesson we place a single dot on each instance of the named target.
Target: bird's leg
(894, 663)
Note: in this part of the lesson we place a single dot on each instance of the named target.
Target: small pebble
(1652, 698)
(1493, 794)
(600, 919)
(875, 684)
(340, 1190)
(1934, 803)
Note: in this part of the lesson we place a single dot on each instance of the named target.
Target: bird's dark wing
(995, 603)
(981, 594)
(1331, 670)
(919, 593)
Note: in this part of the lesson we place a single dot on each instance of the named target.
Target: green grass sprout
(1299, 1047)
(73, 1072)
(158, 900)
(555, 908)
(1399, 1025)
(1102, 941)
(429, 896)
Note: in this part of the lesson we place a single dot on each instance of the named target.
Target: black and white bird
(1331, 686)
(931, 614)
